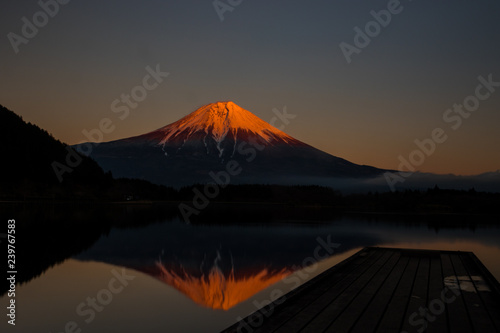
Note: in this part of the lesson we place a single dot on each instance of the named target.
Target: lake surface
(141, 269)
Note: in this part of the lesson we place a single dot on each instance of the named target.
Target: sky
(367, 106)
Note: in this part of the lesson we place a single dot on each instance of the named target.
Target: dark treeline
(27, 155)
(264, 197)
(431, 201)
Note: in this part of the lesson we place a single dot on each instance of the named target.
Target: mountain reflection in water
(217, 290)
(219, 267)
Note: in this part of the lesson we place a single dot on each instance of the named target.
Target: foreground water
(146, 271)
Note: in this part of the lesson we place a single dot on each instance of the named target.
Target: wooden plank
(437, 308)
(459, 321)
(376, 309)
(415, 319)
(489, 298)
(301, 297)
(308, 313)
(394, 315)
(475, 307)
(346, 320)
(328, 314)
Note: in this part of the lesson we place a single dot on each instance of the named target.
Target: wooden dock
(388, 290)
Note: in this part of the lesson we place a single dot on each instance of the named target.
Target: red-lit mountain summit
(220, 121)
(215, 136)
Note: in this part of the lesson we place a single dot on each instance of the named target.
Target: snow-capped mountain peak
(218, 120)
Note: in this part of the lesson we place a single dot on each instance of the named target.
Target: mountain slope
(198, 147)
(30, 152)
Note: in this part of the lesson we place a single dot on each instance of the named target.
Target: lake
(140, 268)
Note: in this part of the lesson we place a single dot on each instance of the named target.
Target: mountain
(221, 142)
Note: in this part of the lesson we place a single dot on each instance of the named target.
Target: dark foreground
(388, 290)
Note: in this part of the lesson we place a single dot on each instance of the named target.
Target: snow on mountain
(218, 120)
(215, 129)
(220, 127)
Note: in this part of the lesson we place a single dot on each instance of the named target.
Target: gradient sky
(266, 55)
